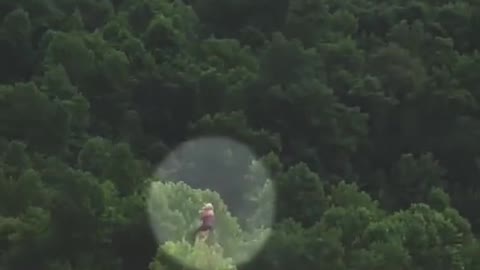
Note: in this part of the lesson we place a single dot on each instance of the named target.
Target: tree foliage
(365, 115)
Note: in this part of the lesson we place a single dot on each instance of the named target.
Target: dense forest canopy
(366, 115)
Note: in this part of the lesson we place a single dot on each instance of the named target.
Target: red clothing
(208, 218)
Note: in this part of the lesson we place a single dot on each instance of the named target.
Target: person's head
(208, 206)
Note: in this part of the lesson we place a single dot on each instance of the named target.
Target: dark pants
(203, 228)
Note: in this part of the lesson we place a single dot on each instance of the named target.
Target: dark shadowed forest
(365, 113)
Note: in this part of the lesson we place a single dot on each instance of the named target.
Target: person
(207, 216)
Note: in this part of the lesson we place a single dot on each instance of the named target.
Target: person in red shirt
(207, 216)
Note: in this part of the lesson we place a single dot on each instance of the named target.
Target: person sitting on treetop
(207, 216)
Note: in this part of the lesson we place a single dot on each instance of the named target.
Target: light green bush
(173, 209)
(200, 256)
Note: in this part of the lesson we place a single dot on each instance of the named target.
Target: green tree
(93, 157)
(123, 169)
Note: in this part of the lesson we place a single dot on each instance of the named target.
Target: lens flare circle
(225, 173)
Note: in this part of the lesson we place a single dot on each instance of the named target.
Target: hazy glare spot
(228, 175)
